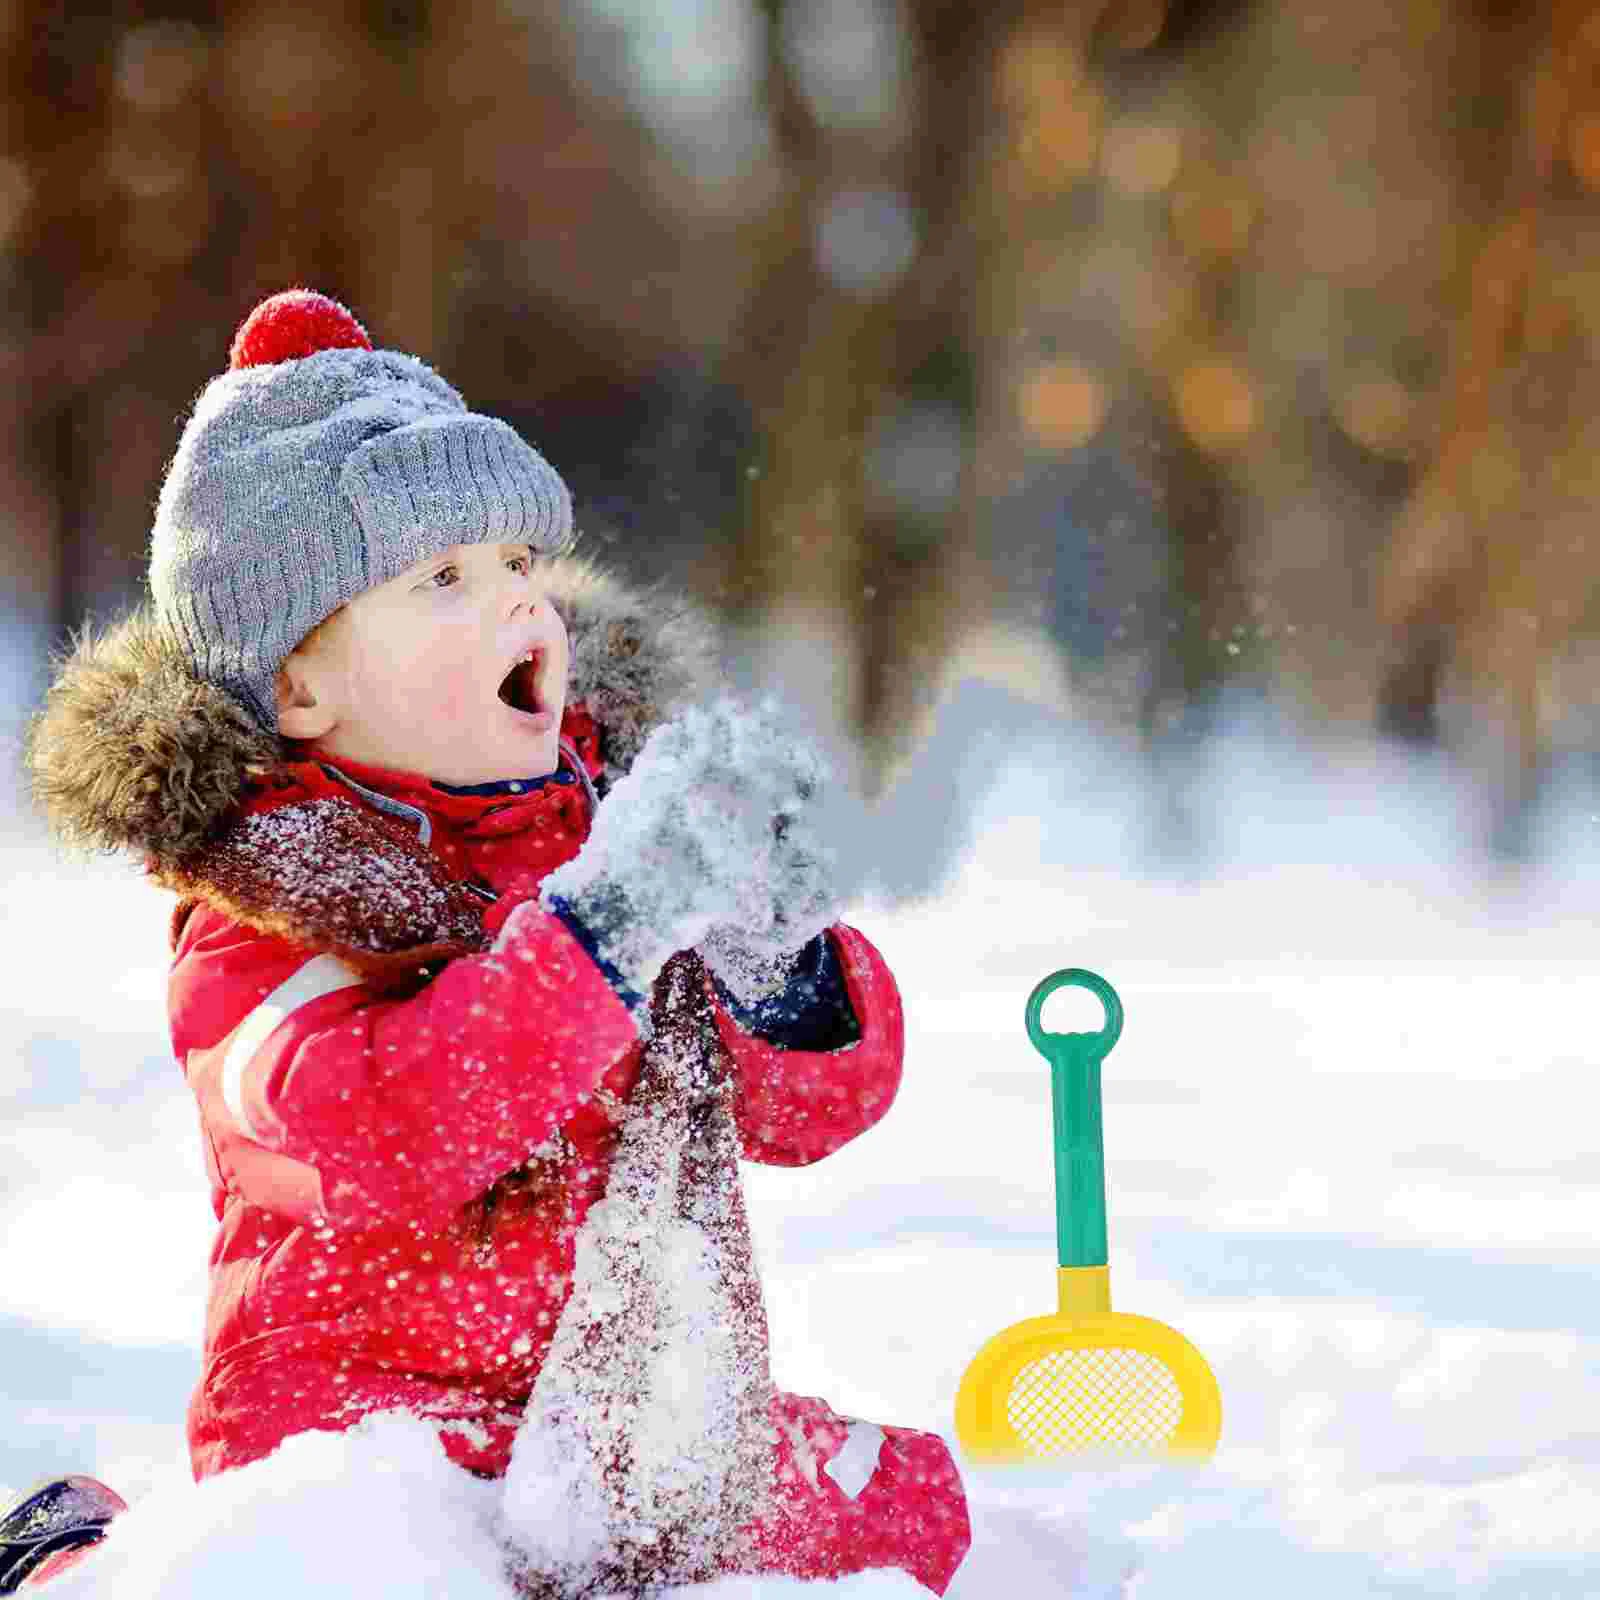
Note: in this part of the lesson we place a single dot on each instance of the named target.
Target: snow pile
(379, 1510)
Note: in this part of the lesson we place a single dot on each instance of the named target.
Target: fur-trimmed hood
(131, 752)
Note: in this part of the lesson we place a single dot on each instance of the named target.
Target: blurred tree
(853, 350)
(1492, 570)
(1207, 346)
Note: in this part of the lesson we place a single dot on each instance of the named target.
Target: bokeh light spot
(159, 62)
(1058, 146)
(1377, 411)
(1217, 405)
(866, 240)
(913, 461)
(1139, 159)
(848, 57)
(1062, 405)
(281, 66)
(1583, 149)
(1056, 108)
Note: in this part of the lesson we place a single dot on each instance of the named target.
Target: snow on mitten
(751, 975)
(823, 839)
(700, 831)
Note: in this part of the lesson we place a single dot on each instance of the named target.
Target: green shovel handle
(1075, 1101)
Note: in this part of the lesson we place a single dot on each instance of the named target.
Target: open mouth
(520, 686)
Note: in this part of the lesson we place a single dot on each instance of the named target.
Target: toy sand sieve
(1088, 1378)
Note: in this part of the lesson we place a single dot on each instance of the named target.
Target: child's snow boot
(48, 1529)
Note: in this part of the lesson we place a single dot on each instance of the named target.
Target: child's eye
(523, 564)
(437, 580)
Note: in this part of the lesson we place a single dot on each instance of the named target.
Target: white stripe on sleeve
(319, 976)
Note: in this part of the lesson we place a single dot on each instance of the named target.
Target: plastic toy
(1088, 1378)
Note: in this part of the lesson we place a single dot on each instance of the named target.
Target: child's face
(424, 673)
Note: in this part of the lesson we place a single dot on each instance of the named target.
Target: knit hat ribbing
(300, 482)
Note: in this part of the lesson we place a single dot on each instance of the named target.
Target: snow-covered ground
(1350, 1152)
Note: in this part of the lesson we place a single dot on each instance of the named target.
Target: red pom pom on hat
(295, 323)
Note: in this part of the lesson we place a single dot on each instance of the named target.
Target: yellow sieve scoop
(1088, 1378)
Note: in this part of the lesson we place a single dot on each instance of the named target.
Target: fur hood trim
(132, 752)
(389, 911)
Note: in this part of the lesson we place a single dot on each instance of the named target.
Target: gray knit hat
(315, 468)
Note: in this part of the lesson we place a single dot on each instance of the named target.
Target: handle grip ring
(1078, 977)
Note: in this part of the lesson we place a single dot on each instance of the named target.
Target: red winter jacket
(350, 1134)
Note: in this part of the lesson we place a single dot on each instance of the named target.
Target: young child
(461, 869)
